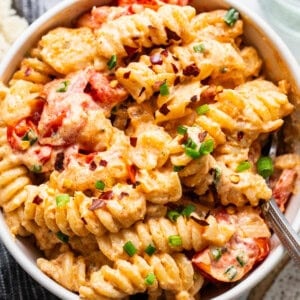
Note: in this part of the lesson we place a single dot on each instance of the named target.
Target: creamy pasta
(131, 150)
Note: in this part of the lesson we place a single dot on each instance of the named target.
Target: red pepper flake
(194, 98)
(59, 161)
(132, 173)
(89, 157)
(172, 35)
(175, 58)
(37, 200)
(177, 80)
(142, 91)
(126, 75)
(165, 53)
(240, 135)
(191, 70)
(130, 50)
(156, 59)
(133, 141)
(108, 195)
(164, 109)
(27, 72)
(123, 194)
(202, 136)
(92, 166)
(208, 95)
(84, 221)
(175, 69)
(103, 163)
(97, 203)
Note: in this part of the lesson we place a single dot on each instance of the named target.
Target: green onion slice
(150, 250)
(202, 109)
(231, 272)
(63, 87)
(174, 240)
(36, 168)
(200, 48)
(231, 16)
(100, 185)
(129, 248)
(182, 129)
(149, 280)
(164, 89)
(241, 260)
(206, 147)
(217, 175)
(191, 152)
(190, 144)
(243, 166)
(63, 237)
(186, 212)
(216, 253)
(177, 168)
(30, 136)
(62, 200)
(173, 215)
(112, 62)
(265, 166)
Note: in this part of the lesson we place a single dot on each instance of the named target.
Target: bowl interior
(278, 63)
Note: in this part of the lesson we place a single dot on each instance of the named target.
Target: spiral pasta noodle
(156, 232)
(173, 273)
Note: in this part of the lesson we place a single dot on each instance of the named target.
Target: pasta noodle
(130, 149)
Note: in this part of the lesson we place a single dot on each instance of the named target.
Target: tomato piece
(233, 261)
(154, 4)
(22, 135)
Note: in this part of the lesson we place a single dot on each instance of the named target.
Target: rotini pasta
(130, 148)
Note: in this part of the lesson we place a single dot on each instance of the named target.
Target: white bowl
(279, 64)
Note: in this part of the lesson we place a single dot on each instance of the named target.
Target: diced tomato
(132, 173)
(43, 153)
(54, 124)
(284, 187)
(103, 92)
(16, 135)
(233, 261)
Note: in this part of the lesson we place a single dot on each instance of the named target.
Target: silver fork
(278, 222)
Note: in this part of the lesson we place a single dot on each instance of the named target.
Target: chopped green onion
(200, 48)
(265, 166)
(186, 212)
(191, 152)
(216, 253)
(203, 109)
(241, 260)
(182, 129)
(164, 89)
(100, 185)
(30, 136)
(177, 168)
(231, 16)
(62, 200)
(112, 62)
(243, 166)
(173, 215)
(174, 240)
(217, 175)
(63, 237)
(36, 168)
(63, 87)
(150, 249)
(190, 144)
(206, 147)
(149, 280)
(231, 272)
(129, 248)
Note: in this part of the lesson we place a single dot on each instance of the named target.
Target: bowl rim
(15, 248)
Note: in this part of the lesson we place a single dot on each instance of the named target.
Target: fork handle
(286, 234)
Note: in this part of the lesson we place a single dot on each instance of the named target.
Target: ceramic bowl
(278, 63)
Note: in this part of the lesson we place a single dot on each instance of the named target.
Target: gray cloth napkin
(15, 284)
